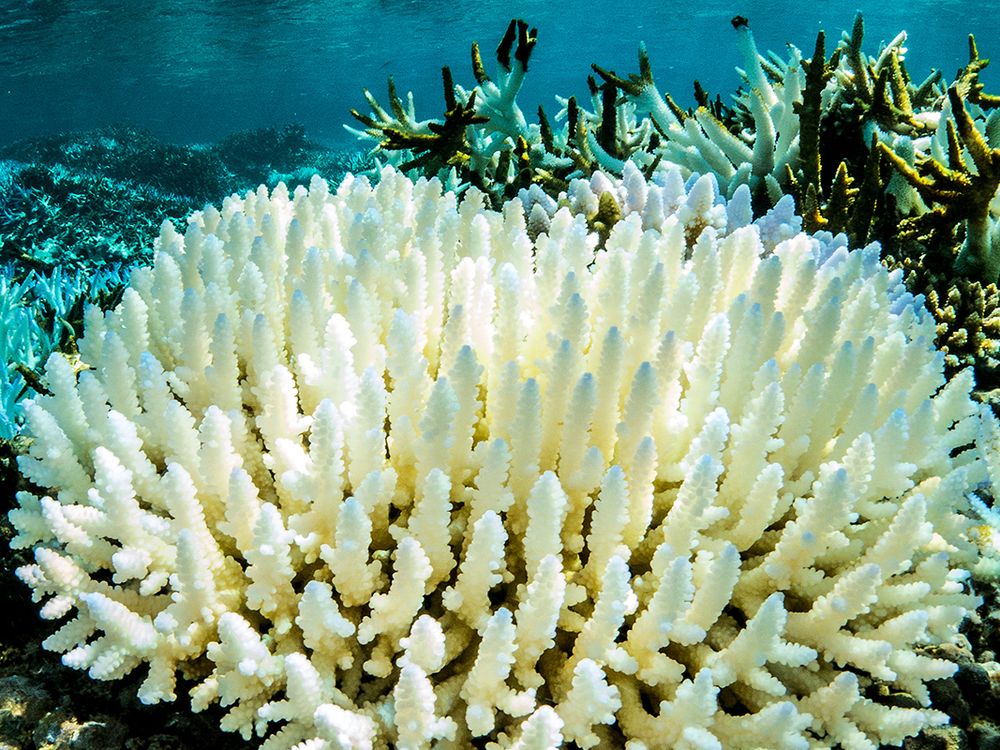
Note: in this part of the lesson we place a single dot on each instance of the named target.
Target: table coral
(373, 468)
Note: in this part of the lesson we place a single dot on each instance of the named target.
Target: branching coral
(851, 99)
(487, 156)
(375, 469)
(39, 314)
(879, 89)
(436, 145)
(759, 154)
(861, 147)
(961, 191)
(771, 140)
(944, 189)
(969, 330)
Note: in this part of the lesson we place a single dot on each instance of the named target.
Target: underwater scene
(499, 376)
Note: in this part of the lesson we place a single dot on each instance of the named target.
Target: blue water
(194, 71)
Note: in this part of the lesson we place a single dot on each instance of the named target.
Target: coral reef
(861, 147)
(372, 468)
(128, 155)
(98, 197)
(502, 596)
(41, 314)
(271, 155)
(52, 216)
(78, 209)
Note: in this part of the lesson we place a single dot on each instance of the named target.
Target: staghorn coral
(485, 140)
(374, 469)
(759, 144)
(961, 191)
(863, 149)
(494, 157)
(39, 314)
(801, 126)
(879, 89)
(944, 189)
(968, 331)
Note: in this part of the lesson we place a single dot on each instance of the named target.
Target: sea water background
(193, 71)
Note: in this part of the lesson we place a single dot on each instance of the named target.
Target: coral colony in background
(851, 139)
(550, 437)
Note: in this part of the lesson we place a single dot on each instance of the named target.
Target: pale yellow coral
(392, 473)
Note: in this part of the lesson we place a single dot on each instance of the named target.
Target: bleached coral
(374, 469)
(755, 145)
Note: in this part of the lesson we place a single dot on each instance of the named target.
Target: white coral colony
(373, 469)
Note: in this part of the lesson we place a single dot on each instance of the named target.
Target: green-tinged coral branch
(959, 192)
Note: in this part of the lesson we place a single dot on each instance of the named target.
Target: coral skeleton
(382, 467)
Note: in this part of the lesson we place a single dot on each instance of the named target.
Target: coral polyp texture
(375, 469)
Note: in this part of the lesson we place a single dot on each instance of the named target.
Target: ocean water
(195, 71)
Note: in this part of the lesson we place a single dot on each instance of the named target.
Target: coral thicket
(374, 468)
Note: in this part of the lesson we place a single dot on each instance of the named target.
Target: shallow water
(193, 71)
